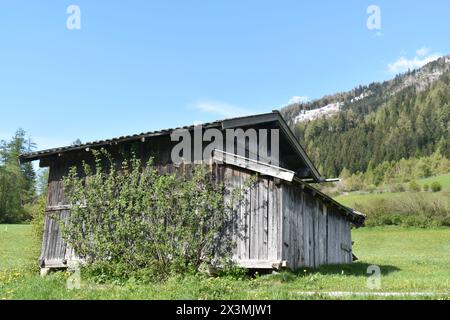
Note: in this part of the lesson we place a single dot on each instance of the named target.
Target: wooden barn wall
(314, 233)
(256, 220)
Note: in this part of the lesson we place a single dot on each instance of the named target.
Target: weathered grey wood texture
(257, 220)
(314, 232)
(284, 222)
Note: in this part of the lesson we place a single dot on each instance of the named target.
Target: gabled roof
(273, 117)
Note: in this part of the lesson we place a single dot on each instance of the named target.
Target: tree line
(20, 185)
(393, 174)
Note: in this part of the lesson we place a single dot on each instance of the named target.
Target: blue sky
(144, 65)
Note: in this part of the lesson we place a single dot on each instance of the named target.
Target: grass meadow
(358, 197)
(413, 262)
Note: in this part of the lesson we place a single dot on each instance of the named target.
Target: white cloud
(298, 99)
(403, 64)
(422, 52)
(221, 108)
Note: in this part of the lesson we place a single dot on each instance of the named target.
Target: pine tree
(17, 182)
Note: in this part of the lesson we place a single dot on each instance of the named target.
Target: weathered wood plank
(311, 232)
(279, 219)
(325, 208)
(240, 223)
(272, 246)
(247, 209)
(292, 233)
(254, 219)
(286, 227)
(350, 243)
(306, 215)
(262, 264)
(330, 248)
(263, 215)
(299, 226)
(319, 233)
(316, 232)
(254, 165)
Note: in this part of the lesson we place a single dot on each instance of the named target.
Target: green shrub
(371, 188)
(426, 187)
(413, 186)
(418, 210)
(436, 186)
(132, 218)
(397, 188)
(37, 212)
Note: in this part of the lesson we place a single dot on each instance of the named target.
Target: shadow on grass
(357, 269)
(354, 269)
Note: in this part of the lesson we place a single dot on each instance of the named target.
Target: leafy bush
(132, 218)
(354, 182)
(395, 172)
(397, 188)
(37, 212)
(426, 187)
(413, 186)
(418, 210)
(436, 186)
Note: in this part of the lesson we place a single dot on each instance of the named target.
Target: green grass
(444, 180)
(17, 248)
(411, 260)
(354, 198)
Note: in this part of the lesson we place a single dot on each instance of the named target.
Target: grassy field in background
(411, 260)
(17, 248)
(361, 198)
(444, 180)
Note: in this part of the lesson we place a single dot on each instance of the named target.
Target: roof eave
(356, 218)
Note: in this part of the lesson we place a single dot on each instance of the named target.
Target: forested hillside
(408, 117)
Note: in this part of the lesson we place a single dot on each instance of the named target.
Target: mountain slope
(405, 117)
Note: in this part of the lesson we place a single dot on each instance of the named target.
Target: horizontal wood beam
(55, 263)
(262, 264)
(58, 208)
(253, 165)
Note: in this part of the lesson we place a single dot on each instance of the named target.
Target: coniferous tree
(17, 182)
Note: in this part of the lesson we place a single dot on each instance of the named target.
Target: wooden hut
(286, 221)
